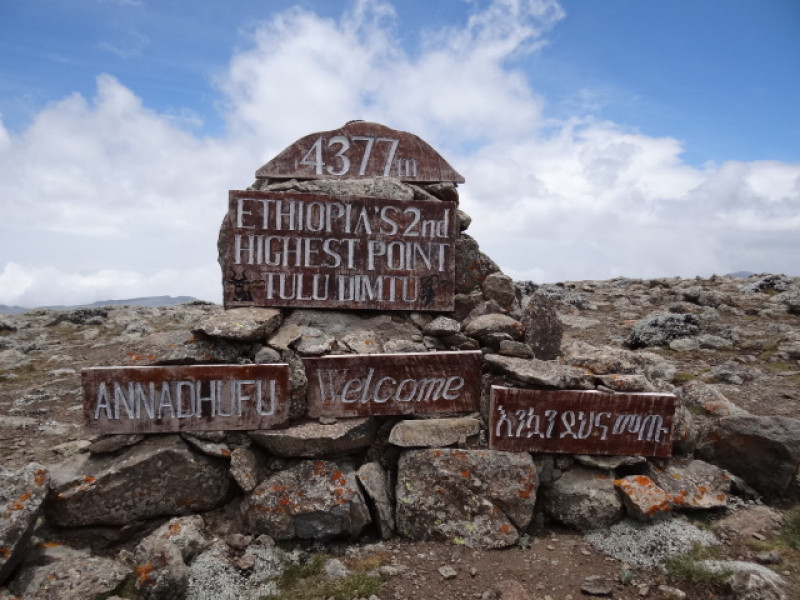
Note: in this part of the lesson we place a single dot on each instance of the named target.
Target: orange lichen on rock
(143, 573)
(5, 552)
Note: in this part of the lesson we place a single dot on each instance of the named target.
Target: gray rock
(210, 448)
(608, 463)
(158, 477)
(286, 336)
(597, 585)
(442, 327)
(335, 569)
(22, 494)
(363, 342)
(242, 324)
(375, 482)
(730, 372)
(749, 581)
(113, 443)
(161, 572)
(582, 500)
(63, 573)
(543, 328)
(660, 330)
(385, 188)
(777, 283)
(311, 439)
(485, 325)
(215, 575)
(13, 359)
(314, 342)
(312, 500)
(515, 349)
(182, 347)
(764, 451)
(447, 572)
(267, 355)
(473, 497)
(500, 288)
(472, 265)
(432, 433)
(539, 372)
(693, 484)
(245, 468)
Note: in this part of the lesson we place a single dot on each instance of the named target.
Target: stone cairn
(327, 479)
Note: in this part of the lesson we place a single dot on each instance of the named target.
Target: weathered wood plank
(185, 398)
(359, 150)
(581, 422)
(393, 384)
(346, 252)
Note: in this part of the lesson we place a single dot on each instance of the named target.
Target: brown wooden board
(581, 422)
(393, 384)
(185, 398)
(359, 150)
(346, 252)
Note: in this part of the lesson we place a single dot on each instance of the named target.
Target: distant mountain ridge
(152, 301)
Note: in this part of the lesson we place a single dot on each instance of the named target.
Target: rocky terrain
(729, 348)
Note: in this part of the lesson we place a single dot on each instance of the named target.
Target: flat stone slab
(158, 477)
(242, 324)
(694, 484)
(433, 433)
(311, 439)
(540, 372)
(374, 480)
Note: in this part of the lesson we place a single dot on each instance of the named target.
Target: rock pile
(729, 349)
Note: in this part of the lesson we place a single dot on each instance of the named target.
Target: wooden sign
(185, 398)
(393, 384)
(320, 251)
(357, 151)
(581, 422)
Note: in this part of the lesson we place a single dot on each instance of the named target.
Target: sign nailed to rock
(393, 384)
(320, 251)
(581, 422)
(360, 150)
(185, 398)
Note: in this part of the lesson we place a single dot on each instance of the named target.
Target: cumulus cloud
(104, 197)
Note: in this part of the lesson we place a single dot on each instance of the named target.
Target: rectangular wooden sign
(581, 422)
(185, 398)
(347, 252)
(393, 384)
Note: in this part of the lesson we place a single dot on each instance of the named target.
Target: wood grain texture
(344, 252)
(360, 150)
(581, 422)
(393, 384)
(185, 398)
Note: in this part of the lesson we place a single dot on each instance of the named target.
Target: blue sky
(597, 138)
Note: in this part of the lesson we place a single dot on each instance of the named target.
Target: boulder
(644, 500)
(242, 324)
(373, 478)
(473, 497)
(485, 325)
(311, 439)
(749, 581)
(59, 572)
(539, 372)
(162, 558)
(433, 433)
(22, 493)
(764, 451)
(660, 330)
(313, 500)
(693, 484)
(500, 288)
(583, 499)
(543, 328)
(158, 477)
(442, 327)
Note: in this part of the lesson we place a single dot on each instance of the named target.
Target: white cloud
(105, 197)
